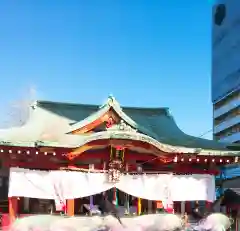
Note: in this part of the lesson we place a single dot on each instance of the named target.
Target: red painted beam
(46, 165)
(93, 155)
(105, 155)
(130, 155)
(36, 165)
(133, 167)
(96, 167)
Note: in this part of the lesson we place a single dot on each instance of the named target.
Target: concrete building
(226, 70)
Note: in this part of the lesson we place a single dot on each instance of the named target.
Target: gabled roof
(52, 121)
(112, 103)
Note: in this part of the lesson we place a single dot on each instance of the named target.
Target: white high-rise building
(226, 70)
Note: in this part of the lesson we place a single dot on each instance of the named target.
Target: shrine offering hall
(67, 155)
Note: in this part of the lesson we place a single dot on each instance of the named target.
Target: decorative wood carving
(122, 126)
(71, 156)
(110, 122)
(116, 164)
(113, 175)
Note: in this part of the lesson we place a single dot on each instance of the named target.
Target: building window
(220, 14)
(234, 96)
(228, 132)
(225, 117)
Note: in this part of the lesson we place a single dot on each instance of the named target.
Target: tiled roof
(156, 120)
(53, 120)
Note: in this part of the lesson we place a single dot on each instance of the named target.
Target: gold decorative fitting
(110, 101)
(122, 126)
(116, 164)
(114, 175)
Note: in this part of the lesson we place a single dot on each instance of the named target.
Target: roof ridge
(145, 108)
(39, 102)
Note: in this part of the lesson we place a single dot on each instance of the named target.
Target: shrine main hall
(71, 153)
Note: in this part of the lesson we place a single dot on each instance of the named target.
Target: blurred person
(107, 207)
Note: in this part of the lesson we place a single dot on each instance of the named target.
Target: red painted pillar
(188, 208)
(208, 205)
(13, 208)
(177, 206)
(70, 207)
(139, 206)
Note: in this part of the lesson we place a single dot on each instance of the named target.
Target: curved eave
(111, 103)
(234, 147)
(72, 141)
(90, 119)
(130, 121)
(26, 144)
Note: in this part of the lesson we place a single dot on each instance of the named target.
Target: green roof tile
(153, 122)
(157, 121)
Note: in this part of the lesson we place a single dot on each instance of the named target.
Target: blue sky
(145, 53)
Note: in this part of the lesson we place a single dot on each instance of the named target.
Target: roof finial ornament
(110, 100)
(111, 96)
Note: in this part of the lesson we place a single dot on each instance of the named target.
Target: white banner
(79, 184)
(196, 187)
(57, 185)
(30, 183)
(151, 187)
(62, 185)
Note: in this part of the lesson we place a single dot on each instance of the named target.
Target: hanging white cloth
(57, 185)
(79, 184)
(62, 185)
(30, 183)
(150, 187)
(59, 197)
(194, 187)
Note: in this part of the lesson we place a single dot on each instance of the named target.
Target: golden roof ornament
(122, 126)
